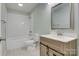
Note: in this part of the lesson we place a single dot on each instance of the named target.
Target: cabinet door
(53, 53)
(43, 50)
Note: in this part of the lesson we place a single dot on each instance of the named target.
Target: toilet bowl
(29, 43)
(32, 42)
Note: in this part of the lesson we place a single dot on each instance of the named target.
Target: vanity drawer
(53, 44)
(54, 53)
(68, 48)
(52, 41)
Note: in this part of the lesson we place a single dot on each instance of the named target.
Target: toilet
(29, 43)
(32, 42)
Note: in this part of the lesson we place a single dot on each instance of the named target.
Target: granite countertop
(60, 38)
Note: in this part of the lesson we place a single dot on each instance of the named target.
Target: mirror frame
(71, 16)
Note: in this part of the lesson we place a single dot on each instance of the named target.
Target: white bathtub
(18, 42)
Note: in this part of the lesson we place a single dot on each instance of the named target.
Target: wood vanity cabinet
(53, 53)
(51, 47)
(43, 50)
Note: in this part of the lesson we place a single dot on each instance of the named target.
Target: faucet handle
(60, 34)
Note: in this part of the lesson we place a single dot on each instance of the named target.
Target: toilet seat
(29, 43)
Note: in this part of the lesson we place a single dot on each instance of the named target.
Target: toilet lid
(30, 41)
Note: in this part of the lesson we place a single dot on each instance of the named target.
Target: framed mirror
(62, 16)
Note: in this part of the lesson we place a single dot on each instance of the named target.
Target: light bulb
(20, 4)
(50, 3)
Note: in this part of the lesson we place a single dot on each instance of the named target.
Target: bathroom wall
(3, 19)
(17, 29)
(0, 19)
(71, 32)
(41, 19)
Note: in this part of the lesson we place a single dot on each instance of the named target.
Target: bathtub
(18, 42)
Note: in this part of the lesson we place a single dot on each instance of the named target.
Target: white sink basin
(59, 38)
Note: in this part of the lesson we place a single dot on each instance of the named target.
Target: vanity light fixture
(20, 4)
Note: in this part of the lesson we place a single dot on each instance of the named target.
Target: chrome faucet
(59, 33)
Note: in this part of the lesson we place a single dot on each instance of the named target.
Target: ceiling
(27, 7)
